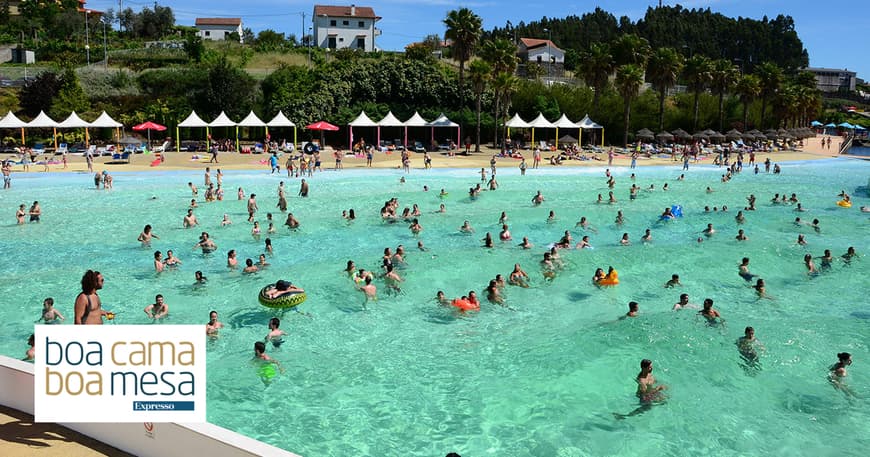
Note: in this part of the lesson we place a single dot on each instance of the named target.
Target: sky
(833, 35)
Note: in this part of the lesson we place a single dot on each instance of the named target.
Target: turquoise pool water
(541, 377)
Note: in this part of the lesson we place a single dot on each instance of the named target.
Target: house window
(361, 43)
(207, 33)
(331, 43)
(540, 59)
(361, 24)
(340, 39)
(345, 22)
(332, 23)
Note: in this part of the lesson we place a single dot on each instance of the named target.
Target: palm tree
(697, 74)
(479, 72)
(748, 87)
(504, 85)
(723, 77)
(770, 78)
(595, 70)
(664, 67)
(501, 54)
(464, 29)
(629, 78)
(630, 49)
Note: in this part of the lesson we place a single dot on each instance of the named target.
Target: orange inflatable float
(611, 279)
(466, 305)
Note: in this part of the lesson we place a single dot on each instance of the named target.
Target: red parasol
(321, 125)
(149, 126)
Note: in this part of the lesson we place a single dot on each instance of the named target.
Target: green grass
(17, 71)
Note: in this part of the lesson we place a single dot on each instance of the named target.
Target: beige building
(345, 27)
(833, 79)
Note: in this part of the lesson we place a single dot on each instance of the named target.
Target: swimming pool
(541, 377)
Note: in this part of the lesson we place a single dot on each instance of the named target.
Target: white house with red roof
(543, 52)
(218, 28)
(345, 27)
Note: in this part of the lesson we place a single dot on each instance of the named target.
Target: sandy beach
(812, 150)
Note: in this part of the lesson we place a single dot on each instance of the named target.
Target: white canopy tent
(11, 121)
(224, 121)
(516, 122)
(42, 121)
(73, 121)
(280, 120)
(563, 123)
(361, 121)
(106, 121)
(414, 121)
(442, 121)
(192, 120)
(389, 121)
(251, 120)
(540, 122)
(589, 124)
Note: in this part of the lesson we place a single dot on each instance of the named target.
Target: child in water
(49, 314)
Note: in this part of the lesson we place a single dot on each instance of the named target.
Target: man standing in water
(647, 391)
(88, 308)
(303, 189)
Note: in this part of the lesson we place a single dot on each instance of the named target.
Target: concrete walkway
(20, 436)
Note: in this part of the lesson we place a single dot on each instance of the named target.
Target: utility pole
(87, 40)
(105, 48)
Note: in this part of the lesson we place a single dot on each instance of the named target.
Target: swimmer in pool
(741, 236)
(442, 299)
(526, 244)
(487, 240)
(538, 198)
(760, 289)
(146, 236)
(748, 346)
(518, 277)
(811, 267)
(849, 255)
(584, 224)
(647, 391)
(275, 335)
(49, 314)
(743, 269)
(647, 236)
(709, 231)
(213, 325)
(632, 309)
(710, 313)
(838, 373)
(684, 303)
(584, 243)
(505, 234)
(673, 282)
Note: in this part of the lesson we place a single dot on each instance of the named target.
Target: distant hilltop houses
(345, 27)
(219, 28)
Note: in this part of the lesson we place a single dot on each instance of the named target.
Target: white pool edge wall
(164, 439)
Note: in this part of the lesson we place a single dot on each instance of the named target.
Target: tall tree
(501, 54)
(630, 49)
(479, 72)
(663, 69)
(597, 64)
(770, 78)
(697, 73)
(464, 29)
(504, 85)
(629, 78)
(748, 88)
(723, 77)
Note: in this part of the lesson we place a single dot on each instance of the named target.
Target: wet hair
(147, 228)
(275, 321)
(260, 347)
(89, 281)
(49, 301)
(632, 305)
(645, 363)
(157, 254)
(844, 356)
(249, 262)
(31, 340)
(748, 329)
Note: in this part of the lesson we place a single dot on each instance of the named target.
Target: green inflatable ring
(288, 300)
